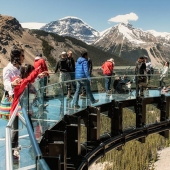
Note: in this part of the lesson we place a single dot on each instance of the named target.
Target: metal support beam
(93, 127)
(116, 121)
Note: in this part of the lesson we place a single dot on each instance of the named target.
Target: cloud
(124, 18)
(32, 25)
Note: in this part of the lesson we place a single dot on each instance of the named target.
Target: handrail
(31, 135)
(8, 145)
(120, 140)
(9, 159)
(92, 78)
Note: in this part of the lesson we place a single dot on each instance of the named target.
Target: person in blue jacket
(82, 72)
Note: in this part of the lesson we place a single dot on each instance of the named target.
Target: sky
(99, 14)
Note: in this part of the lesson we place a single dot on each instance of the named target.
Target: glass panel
(45, 105)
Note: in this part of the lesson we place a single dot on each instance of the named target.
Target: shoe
(95, 101)
(141, 94)
(69, 97)
(16, 156)
(109, 92)
(40, 106)
(15, 159)
(45, 105)
(82, 96)
(76, 107)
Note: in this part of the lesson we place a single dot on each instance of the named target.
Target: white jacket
(9, 72)
(164, 71)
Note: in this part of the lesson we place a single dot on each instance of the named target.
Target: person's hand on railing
(45, 73)
(16, 81)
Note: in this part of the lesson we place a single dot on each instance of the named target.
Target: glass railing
(50, 103)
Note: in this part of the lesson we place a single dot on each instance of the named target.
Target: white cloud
(124, 18)
(32, 25)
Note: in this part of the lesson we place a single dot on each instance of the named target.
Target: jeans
(162, 83)
(72, 75)
(86, 84)
(107, 82)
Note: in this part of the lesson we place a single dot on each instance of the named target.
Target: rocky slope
(50, 44)
(11, 33)
(129, 43)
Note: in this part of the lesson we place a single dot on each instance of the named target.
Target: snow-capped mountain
(73, 27)
(165, 36)
(128, 42)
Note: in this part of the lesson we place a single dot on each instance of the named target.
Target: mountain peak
(126, 24)
(70, 17)
(73, 27)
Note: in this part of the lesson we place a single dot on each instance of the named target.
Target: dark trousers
(15, 133)
(149, 74)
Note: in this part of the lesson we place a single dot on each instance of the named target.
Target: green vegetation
(133, 55)
(134, 155)
(98, 56)
(47, 52)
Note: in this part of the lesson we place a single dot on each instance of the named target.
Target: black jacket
(61, 65)
(140, 68)
(71, 65)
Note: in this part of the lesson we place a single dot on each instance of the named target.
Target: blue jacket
(82, 68)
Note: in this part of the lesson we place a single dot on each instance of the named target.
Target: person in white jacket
(164, 73)
(9, 72)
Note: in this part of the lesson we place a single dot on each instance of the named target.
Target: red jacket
(108, 68)
(18, 90)
(39, 61)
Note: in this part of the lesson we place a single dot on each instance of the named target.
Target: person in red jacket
(107, 68)
(28, 75)
(39, 61)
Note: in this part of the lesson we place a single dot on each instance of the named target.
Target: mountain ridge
(127, 42)
(73, 27)
(49, 44)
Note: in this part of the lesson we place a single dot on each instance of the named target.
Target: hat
(39, 55)
(111, 59)
(63, 53)
(145, 56)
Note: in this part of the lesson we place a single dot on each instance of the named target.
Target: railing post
(116, 121)
(93, 128)
(164, 112)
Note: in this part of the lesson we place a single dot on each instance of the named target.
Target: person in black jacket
(90, 65)
(141, 78)
(71, 67)
(62, 66)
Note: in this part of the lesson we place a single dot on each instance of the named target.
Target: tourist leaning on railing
(10, 71)
(28, 75)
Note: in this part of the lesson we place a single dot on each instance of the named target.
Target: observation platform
(44, 118)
